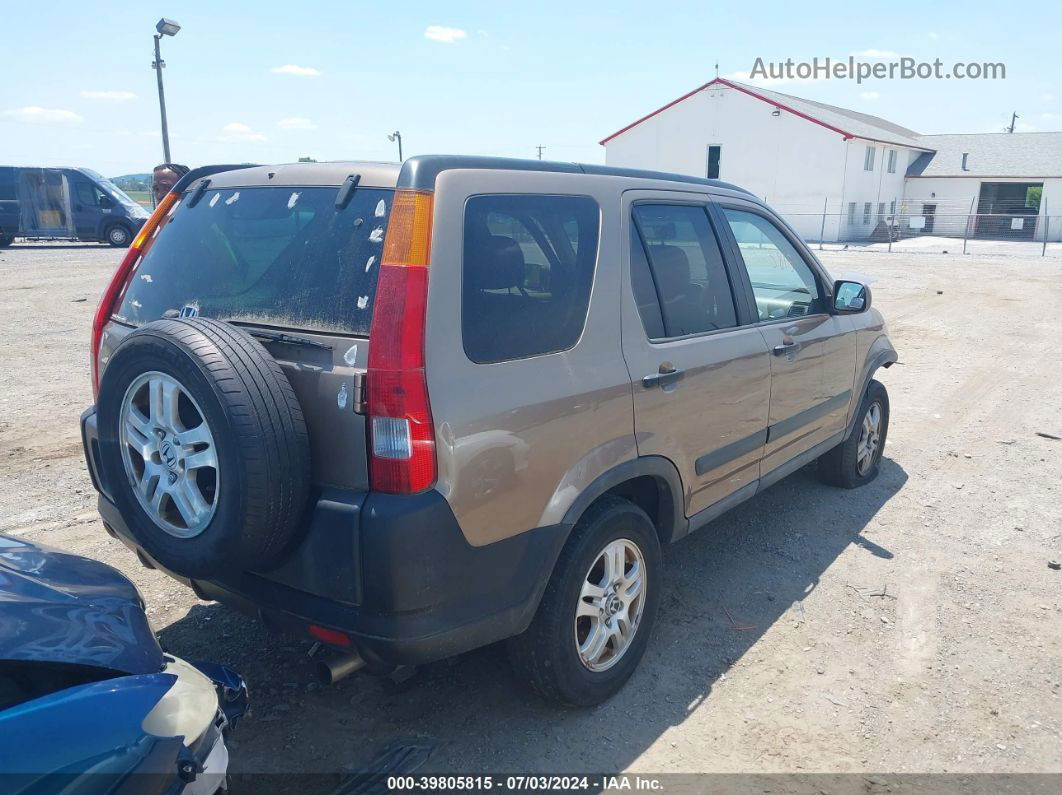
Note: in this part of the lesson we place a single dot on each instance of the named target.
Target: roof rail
(420, 172)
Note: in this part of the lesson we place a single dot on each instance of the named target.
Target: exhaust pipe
(332, 670)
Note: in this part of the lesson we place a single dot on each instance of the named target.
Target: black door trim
(727, 453)
(806, 416)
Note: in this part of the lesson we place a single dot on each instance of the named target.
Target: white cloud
(1048, 97)
(872, 53)
(235, 132)
(298, 71)
(869, 95)
(934, 35)
(38, 115)
(112, 96)
(444, 34)
(296, 123)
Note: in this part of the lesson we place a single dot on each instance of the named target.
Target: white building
(843, 175)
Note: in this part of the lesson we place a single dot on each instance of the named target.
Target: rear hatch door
(296, 267)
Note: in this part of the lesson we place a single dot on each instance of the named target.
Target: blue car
(89, 702)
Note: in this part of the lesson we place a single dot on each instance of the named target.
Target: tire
(546, 655)
(257, 490)
(842, 465)
(119, 235)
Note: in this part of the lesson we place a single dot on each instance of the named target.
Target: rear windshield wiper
(279, 336)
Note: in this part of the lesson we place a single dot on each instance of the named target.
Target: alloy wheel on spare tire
(205, 446)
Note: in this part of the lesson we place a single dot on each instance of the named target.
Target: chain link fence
(928, 225)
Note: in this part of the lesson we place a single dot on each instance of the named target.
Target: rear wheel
(597, 613)
(855, 461)
(119, 236)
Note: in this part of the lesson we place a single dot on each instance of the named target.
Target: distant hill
(133, 181)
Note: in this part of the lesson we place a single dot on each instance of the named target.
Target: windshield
(277, 256)
(120, 196)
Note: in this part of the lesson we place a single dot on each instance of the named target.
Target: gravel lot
(911, 626)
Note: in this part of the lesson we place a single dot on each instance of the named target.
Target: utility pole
(540, 147)
(165, 27)
(1013, 117)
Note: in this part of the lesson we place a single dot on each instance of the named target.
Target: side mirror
(106, 202)
(850, 297)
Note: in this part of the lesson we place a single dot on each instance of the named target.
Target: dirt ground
(910, 626)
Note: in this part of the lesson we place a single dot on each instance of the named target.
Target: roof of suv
(419, 172)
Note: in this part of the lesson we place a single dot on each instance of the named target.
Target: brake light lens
(115, 291)
(401, 432)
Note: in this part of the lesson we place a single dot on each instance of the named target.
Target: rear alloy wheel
(596, 615)
(169, 454)
(611, 603)
(119, 236)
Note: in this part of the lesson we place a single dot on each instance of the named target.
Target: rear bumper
(394, 574)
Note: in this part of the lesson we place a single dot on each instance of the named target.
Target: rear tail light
(401, 432)
(115, 291)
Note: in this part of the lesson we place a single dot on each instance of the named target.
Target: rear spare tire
(204, 445)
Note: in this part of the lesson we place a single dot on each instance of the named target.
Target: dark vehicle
(414, 409)
(88, 700)
(65, 204)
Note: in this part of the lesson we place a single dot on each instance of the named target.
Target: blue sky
(498, 78)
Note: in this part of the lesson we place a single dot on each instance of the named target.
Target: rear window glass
(277, 256)
(528, 267)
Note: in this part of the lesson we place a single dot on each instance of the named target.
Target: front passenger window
(783, 284)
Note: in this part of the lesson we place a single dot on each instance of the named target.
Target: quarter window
(692, 287)
(783, 283)
(527, 271)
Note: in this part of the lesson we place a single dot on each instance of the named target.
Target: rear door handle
(667, 374)
(786, 349)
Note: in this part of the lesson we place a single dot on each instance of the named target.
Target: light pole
(397, 136)
(165, 27)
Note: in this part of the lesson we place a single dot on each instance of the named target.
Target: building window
(881, 212)
(851, 213)
(714, 152)
(892, 207)
(892, 161)
(866, 212)
(868, 160)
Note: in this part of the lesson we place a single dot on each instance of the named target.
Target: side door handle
(786, 349)
(667, 375)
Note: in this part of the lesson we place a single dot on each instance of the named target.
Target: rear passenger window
(527, 271)
(691, 282)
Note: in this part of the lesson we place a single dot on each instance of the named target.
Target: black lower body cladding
(223, 385)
